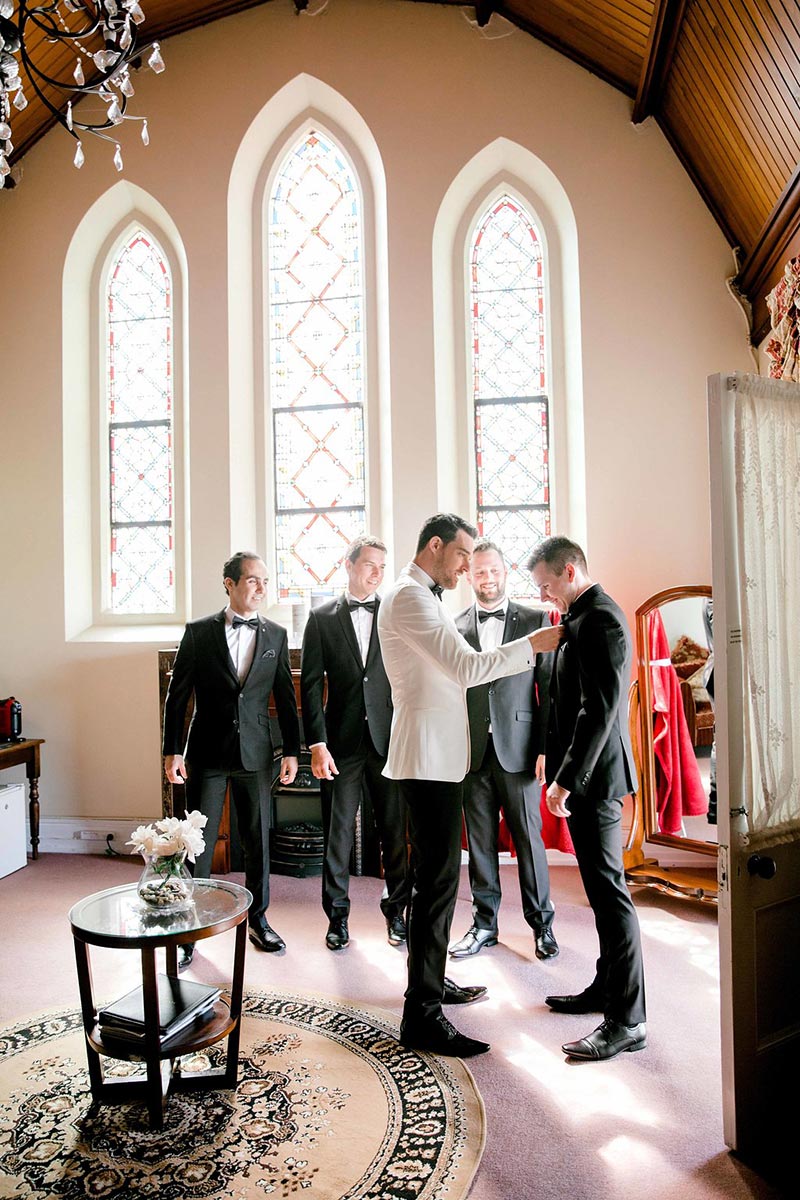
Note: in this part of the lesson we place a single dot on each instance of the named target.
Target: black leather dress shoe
(608, 1039)
(473, 942)
(584, 1002)
(438, 1036)
(266, 938)
(454, 994)
(185, 955)
(546, 944)
(396, 930)
(338, 935)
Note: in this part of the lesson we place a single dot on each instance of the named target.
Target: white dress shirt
(362, 620)
(490, 633)
(241, 644)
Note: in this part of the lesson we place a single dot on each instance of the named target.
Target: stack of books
(181, 1003)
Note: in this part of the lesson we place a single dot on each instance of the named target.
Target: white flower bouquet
(165, 845)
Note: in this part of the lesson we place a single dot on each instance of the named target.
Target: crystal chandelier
(102, 36)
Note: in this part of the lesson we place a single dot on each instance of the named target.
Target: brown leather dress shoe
(607, 1040)
(438, 1036)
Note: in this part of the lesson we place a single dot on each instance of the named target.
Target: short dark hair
(557, 552)
(444, 526)
(485, 544)
(232, 569)
(361, 543)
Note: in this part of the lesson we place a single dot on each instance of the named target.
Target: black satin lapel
(222, 644)
(510, 627)
(373, 649)
(346, 622)
(472, 636)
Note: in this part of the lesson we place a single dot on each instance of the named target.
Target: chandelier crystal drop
(77, 56)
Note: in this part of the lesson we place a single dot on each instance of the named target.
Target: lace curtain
(767, 469)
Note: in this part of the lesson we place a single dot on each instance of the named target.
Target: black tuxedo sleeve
(286, 702)
(181, 686)
(601, 651)
(542, 671)
(312, 683)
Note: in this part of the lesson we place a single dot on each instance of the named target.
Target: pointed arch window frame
(102, 525)
(535, 404)
(272, 412)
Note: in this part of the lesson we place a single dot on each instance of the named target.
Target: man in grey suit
(507, 727)
(231, 662)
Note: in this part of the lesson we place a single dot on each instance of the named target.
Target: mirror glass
(674, 642)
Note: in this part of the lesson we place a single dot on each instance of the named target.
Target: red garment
(679, 787)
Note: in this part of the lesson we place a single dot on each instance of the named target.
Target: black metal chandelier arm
(47, 18)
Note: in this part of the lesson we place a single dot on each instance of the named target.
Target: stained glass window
(509, 385)
(316, 319)
(139, 409)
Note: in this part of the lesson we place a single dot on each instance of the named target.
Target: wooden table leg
(88, 1013)
(157, 1086)
(33, 806)
(237, 987)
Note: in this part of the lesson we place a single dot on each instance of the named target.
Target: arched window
(139, 551)
(316, 362)
(508, 350)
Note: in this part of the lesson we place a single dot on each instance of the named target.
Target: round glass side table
(117, 918)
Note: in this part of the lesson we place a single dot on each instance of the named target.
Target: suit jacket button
(366, 679)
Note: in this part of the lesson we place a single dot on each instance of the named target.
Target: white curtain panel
(767, 465)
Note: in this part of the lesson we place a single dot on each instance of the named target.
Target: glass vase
(165, 885)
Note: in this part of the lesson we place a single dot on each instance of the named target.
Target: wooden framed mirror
(671, 715)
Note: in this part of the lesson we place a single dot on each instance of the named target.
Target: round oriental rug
(328, 1103)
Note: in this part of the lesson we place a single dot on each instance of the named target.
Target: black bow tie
(252, 622)
(437, 590)
(369, 605)
(483, 615)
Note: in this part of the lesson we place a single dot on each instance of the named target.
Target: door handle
(761, 865)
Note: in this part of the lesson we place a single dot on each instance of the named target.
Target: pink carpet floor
(643, 1125)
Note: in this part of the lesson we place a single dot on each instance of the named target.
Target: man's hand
(540, 769)
(555, 798)
(322, 764)
(175, 768)
(546, 638)
(289, 768)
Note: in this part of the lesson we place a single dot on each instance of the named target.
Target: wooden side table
(116, 918)
(12, 754)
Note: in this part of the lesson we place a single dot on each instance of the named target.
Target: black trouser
(251, 797)
(340, 801)
(486, 791)
(596, 829)
(434, 824)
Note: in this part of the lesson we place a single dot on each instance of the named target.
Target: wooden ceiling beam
(778, 241)
(665, 30)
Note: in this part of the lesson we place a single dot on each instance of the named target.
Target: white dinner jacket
(430, 666)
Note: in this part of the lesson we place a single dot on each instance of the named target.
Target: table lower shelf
(216, 1026)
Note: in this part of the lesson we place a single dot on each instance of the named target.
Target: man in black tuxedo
(232, 662)
(348, 735)
(590, 770)
(507, 729)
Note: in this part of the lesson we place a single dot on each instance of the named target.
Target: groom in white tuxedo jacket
(430, 666)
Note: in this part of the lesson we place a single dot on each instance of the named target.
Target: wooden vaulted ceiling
(721, 78)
